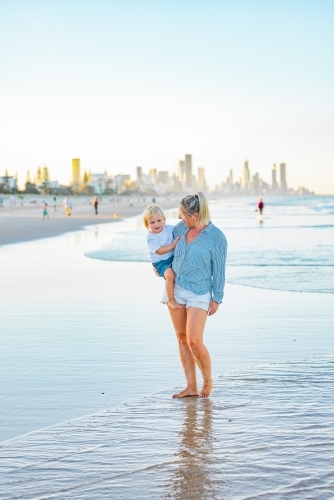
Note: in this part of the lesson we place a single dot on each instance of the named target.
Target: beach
(23, 222)
(90, 364)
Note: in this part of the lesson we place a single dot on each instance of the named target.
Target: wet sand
(80, 334)
(24, 223)
(88, 340)
(266, 433)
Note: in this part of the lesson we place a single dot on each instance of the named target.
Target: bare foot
(186, 392)
(173, 304)
(206, 389)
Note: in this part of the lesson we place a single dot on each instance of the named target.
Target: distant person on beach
(161, 244)
(1, 201)
(55, 203)
(45, 211)
(96, 204)
(260, 206)
(199, 267)
(67, 206)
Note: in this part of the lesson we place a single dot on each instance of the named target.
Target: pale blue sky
(122, 84)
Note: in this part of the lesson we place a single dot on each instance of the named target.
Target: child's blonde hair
(150, 211)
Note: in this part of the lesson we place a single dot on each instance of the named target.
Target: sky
(128, 83)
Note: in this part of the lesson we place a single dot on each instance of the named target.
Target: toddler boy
(161, 244)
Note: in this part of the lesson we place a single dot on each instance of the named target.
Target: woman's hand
(213, 308)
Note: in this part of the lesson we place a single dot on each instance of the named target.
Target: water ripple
(265, 433)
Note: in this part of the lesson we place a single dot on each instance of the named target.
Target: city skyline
(139, 83)
(184, 179)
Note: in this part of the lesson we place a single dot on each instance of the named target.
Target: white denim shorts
(190, 299)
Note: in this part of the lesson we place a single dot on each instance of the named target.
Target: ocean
(292, 249)
(90, 362)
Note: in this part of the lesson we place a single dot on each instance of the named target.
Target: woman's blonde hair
(150, 211)
(196, 204)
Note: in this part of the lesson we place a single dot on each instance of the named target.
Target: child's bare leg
(170, 280)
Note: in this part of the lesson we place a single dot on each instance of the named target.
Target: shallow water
(265, 433)
(293, 249)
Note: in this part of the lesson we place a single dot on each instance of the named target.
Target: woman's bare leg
(196, 319)
(179, 319)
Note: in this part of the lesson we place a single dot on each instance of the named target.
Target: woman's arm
(218, 253)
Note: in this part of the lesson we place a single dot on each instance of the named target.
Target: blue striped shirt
(199, 266)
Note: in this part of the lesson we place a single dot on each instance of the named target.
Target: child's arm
(168, 248)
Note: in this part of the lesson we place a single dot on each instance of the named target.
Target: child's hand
(177, 239)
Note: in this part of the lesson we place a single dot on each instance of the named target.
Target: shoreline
(90, 363)
(21, 224)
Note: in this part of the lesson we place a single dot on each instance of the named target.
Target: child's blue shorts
(162, 265)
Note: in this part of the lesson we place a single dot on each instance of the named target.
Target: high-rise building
(76, 170)
(283, 183)
(175, 183)
(230, 178)
(163, 176)
(246, 176)
(201, 179)
(139, 173)
(273, 178)
(189, 173)
(153, 175)
(120, 180)
(181, 172)
(256, 182)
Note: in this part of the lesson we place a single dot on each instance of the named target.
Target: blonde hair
(150, 211)
(196, 204)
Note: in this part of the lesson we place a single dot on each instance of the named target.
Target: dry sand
(24, 223)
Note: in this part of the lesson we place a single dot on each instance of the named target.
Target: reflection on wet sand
(195, 471)
(266, 433)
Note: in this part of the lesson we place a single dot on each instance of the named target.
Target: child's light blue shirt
(158, 240)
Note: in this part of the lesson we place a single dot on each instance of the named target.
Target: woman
(199, 267)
